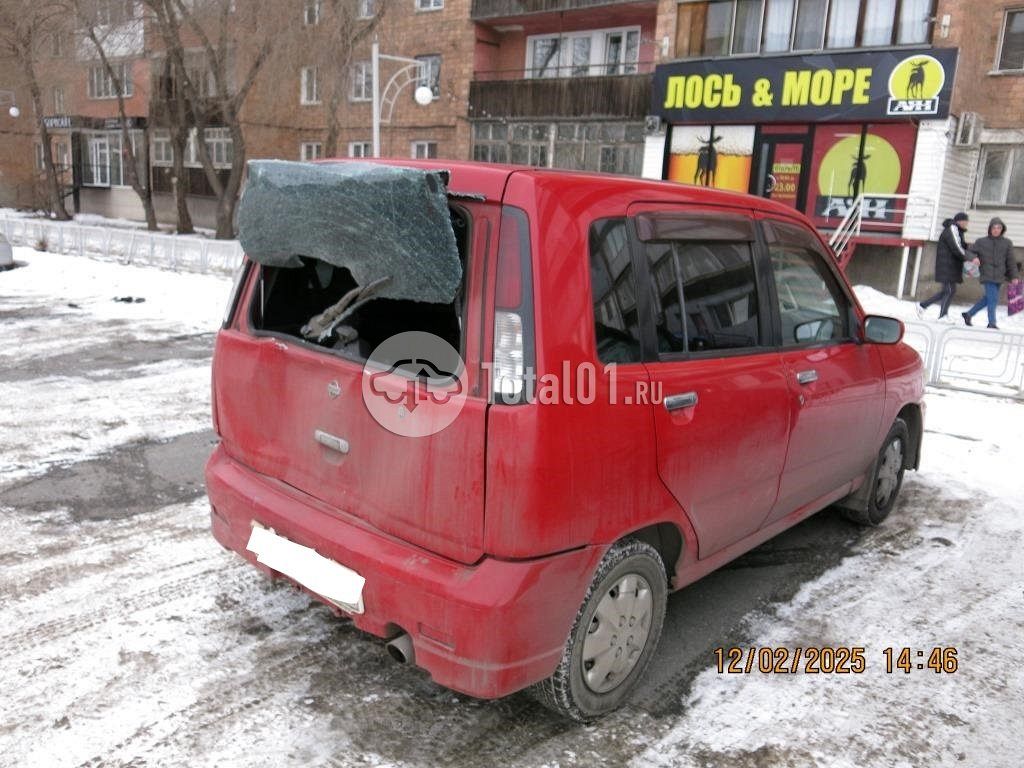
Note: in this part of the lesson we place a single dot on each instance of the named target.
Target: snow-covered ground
(137, 640)
(65, 306)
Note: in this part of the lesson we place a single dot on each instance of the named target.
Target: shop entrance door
(781, 169)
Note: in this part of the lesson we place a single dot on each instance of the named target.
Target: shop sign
(816, 88)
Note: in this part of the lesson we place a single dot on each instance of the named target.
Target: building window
(360, 149)
(429, 5)
(1011, 50)
(311, 12)
(1002, 176)
(362, 81)
(490, 142)
(200, 74)
(432, 76)
(743, 27)
(58, 100)
(530, 144)
(57, 45)
(424, 150)
(107, 12)
(103, 86)
(366, 9)
(310, 86)
(100, 160)
(595, 52)
(311, 150)
(162, 149)
(40, 159)
(219, 147)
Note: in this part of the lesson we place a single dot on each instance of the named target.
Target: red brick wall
(975, 28)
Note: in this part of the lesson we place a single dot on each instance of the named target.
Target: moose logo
(914, 86)
(707, 162)
(414, 384)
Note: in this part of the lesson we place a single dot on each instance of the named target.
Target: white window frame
(1002, 38)
(218, 142)
(366, 9)
(360, 149)
(161, 149)
(362, 76)
(311, 10)
(433, 78)
(429, 5)
(1015, 158)
(98, 149)
(310, 76)
(598, 49)
(423, 145)
(101, 85)
(40, 160)
(311, 150)
(58, 100)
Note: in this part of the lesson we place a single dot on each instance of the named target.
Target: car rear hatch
(295, 404)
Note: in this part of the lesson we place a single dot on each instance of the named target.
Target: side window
(812, 307)
(616, 320)
(705, 295)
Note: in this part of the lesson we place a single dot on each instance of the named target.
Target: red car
(658, 378)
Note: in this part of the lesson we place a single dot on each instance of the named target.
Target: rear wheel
(886, 477)
(614, 636)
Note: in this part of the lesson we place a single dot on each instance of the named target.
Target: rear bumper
(486, 630)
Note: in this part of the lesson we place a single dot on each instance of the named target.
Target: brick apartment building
(903, 104)
(575, 84)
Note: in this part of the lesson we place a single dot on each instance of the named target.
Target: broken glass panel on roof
(388, 226)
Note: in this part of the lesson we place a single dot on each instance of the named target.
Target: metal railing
(978, 360)
(187, 253)
(903, 216)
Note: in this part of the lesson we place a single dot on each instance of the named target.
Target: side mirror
(882, 330)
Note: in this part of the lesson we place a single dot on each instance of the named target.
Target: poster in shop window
(716, 156)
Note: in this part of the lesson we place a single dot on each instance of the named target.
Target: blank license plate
(333, 581)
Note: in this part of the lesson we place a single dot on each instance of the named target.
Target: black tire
(886, 477)
(568, 691)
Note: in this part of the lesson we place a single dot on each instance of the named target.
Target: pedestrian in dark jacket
(950, 255)
(995, 251)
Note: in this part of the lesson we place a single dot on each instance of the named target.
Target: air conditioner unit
(968, 130)
(652, 125)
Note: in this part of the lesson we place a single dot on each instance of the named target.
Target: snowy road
(130, 637)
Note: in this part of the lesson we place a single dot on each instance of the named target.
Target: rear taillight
(513, 360)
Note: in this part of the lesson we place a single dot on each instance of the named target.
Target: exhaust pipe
(401, 649)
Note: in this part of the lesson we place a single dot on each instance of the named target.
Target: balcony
(496, 94)
(493, 9)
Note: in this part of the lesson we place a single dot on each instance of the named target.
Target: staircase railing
(903, 216)
(848, 229)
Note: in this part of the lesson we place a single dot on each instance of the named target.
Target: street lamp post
(413, 71)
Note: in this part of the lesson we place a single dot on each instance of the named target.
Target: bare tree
(344, 31)
(24, 26)
(235, 41)
(117, 36)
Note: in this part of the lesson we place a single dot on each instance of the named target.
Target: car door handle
(807, 377)
(328, 440)
(684, 400)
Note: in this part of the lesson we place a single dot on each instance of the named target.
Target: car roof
(469, 178)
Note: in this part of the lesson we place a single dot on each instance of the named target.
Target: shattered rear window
(389, 227)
